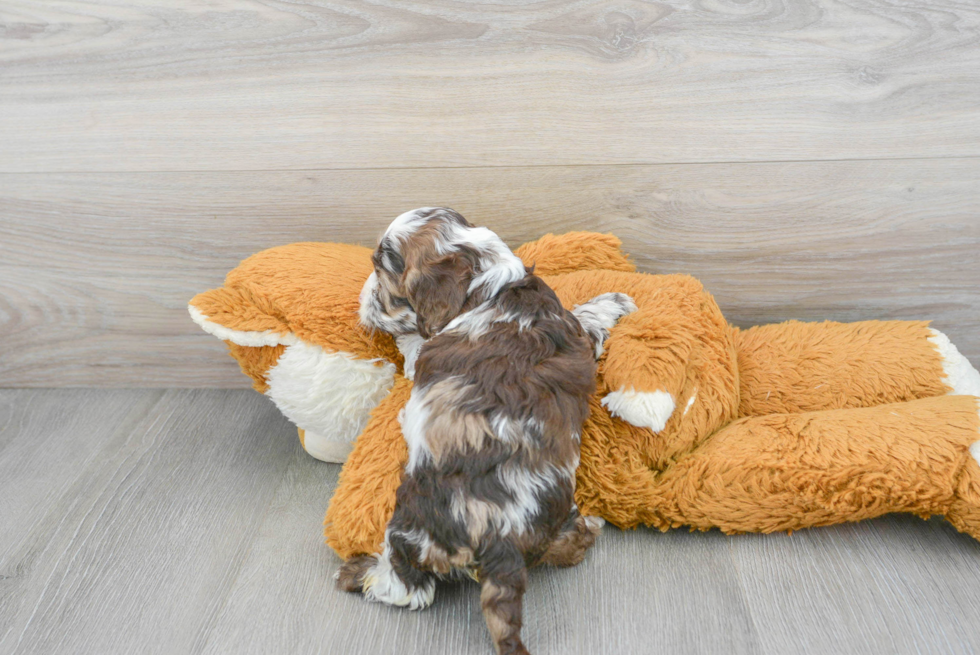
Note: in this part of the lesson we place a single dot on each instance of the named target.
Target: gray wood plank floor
(189, 521)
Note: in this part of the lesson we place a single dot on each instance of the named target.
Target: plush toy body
(695, 422)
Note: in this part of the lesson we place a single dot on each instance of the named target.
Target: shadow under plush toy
(695, 422)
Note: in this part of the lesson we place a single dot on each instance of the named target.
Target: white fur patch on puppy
(475, 322)
(407, 223)
(413, 419)
(409, 345)
(961, 377)
(330, 395)
(498, 265)
(373, 315)
(643, 409)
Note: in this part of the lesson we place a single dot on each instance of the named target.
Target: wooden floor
(188, 521)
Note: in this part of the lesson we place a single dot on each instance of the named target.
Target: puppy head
(428, 265)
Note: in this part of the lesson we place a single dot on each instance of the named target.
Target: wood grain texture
(189, 521)
(268, 85)
(135, 550)
(96, 269)
(844, 590)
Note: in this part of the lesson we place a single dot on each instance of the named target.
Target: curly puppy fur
(503, 375)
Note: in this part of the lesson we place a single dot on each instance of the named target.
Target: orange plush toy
(695, 422)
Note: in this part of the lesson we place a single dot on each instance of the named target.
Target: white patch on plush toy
(975, 446)
(253, 339)
(326, 449)
(641, 408)
(975, 451)
(690, 401)
(330, 395)
(961, 377)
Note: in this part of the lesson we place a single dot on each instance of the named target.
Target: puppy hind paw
(350, 576)
(387, 588)
(594, 523)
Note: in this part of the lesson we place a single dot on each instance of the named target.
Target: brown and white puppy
(502, 374)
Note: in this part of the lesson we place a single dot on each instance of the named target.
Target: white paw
(594, 523)
(959, 373)
(600, 315)
(641, 408)
(382, 585)
(607, 308)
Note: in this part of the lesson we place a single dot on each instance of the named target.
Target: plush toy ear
(438, 291)
(235, 315)
(575, 251)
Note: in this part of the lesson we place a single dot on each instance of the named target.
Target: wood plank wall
(807, 159)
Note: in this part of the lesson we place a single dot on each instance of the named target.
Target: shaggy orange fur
(776, 427)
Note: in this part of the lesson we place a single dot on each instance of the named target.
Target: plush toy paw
(599, 315)
(641, 408)
(958, 373)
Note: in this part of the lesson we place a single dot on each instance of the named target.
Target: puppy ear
(438, 291)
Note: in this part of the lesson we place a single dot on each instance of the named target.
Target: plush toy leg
(792, 471)
(612, 481)
(575, 251)
(324, 449)
(365, 498)
(804, 367)
(672, 360)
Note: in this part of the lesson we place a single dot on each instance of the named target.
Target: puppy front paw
(610, 307)
(350, 576)
(600, 314)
